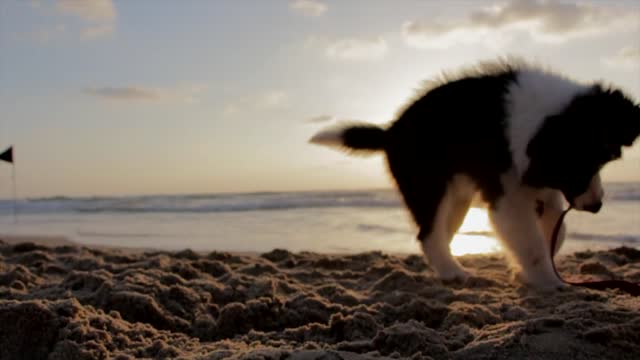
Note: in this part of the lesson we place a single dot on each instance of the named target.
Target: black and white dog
(521, 136)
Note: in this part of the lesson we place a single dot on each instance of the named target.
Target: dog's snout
(591, 199)
(593, 208)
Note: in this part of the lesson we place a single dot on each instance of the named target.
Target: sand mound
(71, 302)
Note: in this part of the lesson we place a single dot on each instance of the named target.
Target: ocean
(328, 222)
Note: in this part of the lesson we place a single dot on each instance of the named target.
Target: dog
(521, 136)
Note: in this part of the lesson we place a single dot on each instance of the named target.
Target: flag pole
(15, 193)
(7, 156)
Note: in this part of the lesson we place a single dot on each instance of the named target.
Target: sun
(475, 235)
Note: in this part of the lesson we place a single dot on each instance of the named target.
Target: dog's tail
(360, 138)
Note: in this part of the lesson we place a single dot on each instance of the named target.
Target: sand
(73, 302)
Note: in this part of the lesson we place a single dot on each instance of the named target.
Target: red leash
(626, 286)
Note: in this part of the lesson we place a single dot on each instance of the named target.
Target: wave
(621, 238)
(618, 238)
(623, 191)
(625, 197)
(257, 201)
(380, 229)
(87, 234)
(207, 203)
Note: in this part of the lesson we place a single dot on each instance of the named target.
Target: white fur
(329, 137)
(451, 211)
(514, 219)
(530, 99)
(534, 96)
(525, 235)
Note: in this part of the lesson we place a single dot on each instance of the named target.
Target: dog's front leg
(549, 208)
(514, 219)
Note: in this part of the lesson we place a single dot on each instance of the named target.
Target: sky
(104, 97)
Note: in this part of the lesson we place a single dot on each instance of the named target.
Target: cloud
(124, 93)
(96, 18)
(320, 119)
(272, 99)
(231, 109)
(43, 34)
(308, 7)
(544, 20)
(95, 11)
(356, 49)
(186, 94)
(92, 32)
(627, 57)
(339, 121)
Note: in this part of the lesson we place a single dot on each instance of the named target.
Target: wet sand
(65, 301)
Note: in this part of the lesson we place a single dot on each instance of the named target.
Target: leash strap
(626, 286)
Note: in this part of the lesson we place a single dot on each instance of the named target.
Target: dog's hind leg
(435, 239)
(462, 192)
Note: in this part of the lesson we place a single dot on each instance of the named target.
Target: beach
(261, 180)
(61, 300)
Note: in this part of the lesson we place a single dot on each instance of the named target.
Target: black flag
(7, 155)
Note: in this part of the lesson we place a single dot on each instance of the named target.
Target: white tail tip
(329, 137)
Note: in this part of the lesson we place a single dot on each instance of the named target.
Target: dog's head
(572, 146)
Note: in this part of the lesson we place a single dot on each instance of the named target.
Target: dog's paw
(540, 283)
(454, 275)
(550, 286)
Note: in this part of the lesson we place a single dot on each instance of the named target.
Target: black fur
(575, 144)
(459, 127)
(364, 137)
(436, 137)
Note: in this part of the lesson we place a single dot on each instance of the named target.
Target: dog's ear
(544, 150)
(623, 127)
(623, 124)
(545, 143)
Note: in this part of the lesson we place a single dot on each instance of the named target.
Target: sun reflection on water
(475, 235)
